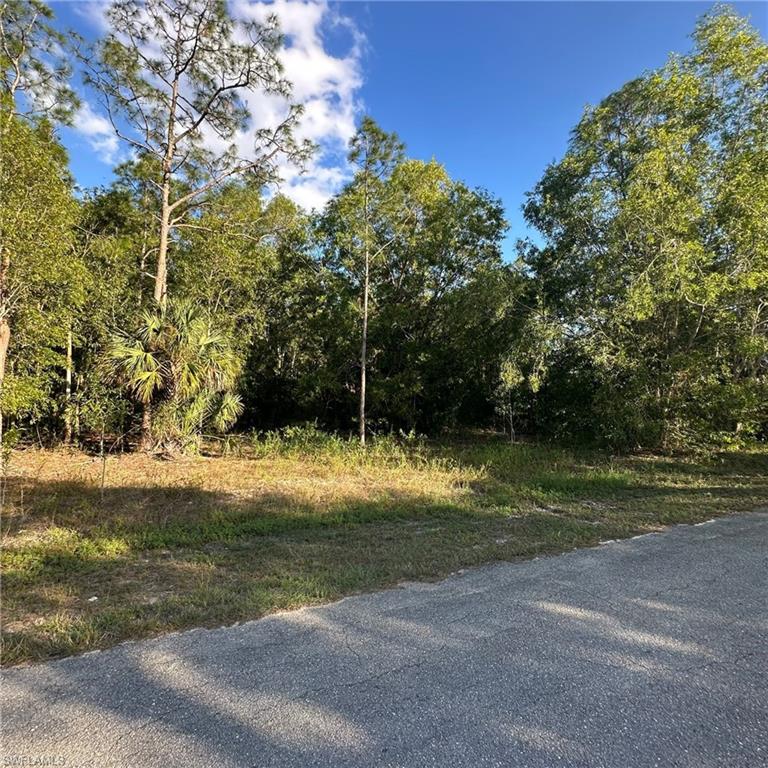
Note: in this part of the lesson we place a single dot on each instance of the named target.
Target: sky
(489, 89)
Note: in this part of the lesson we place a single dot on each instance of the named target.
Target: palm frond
(230, 406)
(178, 361)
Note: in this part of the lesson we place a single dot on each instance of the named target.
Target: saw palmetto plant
(182, 371)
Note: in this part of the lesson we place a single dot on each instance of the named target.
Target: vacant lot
(204, 541)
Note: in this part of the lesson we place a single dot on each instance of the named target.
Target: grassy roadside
(207, 541)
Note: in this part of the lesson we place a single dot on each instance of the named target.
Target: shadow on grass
(531, 668)
(219, 559)
(544, 474)
(163, 558)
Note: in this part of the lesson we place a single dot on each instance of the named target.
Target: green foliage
(183, 369)
(657, 236)
(429, 248)
(308, 442)
(44, 280)
(174, 80)
(640, 321)
(229, 258)
(34, 69)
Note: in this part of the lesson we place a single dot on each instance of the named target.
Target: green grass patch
(282, 522)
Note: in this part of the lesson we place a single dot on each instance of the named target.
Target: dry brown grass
(46, 488)
(209, 540)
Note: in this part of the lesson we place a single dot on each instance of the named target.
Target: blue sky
(490, 89)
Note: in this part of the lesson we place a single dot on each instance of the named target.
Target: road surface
(646, 652)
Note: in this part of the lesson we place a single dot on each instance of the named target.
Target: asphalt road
(646, 652)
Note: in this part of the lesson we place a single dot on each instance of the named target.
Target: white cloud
(98, 132)
(93, 13)
(326, 84)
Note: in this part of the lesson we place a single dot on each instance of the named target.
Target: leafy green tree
(407, 238)
(172, 78)
(40, 276)
(469, 335)
(42, 279)
(229, 257)
(656, 243)
(301, 363)
(363, 222)
(510, 379)
(450, 246)
(182, 369)
(34, 69)
(526, 363)
(112, 238)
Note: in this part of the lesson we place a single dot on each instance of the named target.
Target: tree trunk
(161, 276)
(68, 393)
(5, 338)
(161, 273)
(364, 346)
(145, 442)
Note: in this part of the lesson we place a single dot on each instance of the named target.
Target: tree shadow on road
(591, 658)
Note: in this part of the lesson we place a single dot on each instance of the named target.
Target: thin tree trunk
(161, 273)
(145, 443)
(103, 460)
(364, 340)
(5, 337)
(68, 394)
(364, 346)
(161, 276)
(161, 286)
(5, 340)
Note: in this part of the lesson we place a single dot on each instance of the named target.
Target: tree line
(188, 297)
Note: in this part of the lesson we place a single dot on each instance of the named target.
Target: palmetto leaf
(179, 361)
(196, 412)
(146, 383)
(131, 363)
(230, 407)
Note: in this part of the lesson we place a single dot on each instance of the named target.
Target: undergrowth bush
(309, 442)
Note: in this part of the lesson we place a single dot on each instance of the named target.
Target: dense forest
(189, 297)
